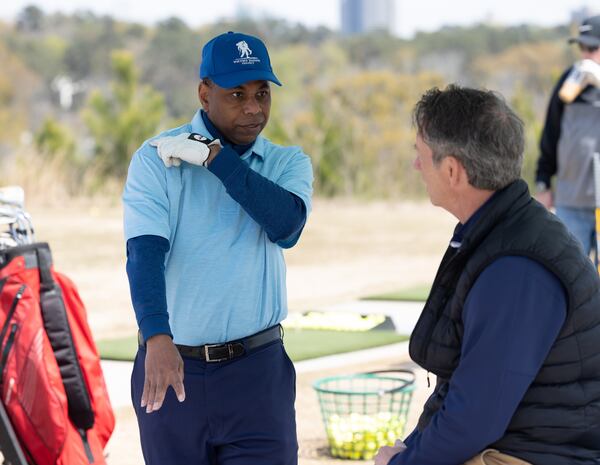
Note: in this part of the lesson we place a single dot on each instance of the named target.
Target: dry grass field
(347, 250)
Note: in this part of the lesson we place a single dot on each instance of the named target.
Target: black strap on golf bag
(57, 327)
(9, 444)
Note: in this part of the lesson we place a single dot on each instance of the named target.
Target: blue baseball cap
(233, 58)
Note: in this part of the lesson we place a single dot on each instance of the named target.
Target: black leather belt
(227, 350)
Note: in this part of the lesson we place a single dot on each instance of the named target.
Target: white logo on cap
(244, 50)
(585, 28)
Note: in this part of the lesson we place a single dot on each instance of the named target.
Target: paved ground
(124, 449)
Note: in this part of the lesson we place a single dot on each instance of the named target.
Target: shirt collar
(461, 229)
(199, 126)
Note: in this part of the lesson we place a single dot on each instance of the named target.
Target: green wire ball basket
(365, 411)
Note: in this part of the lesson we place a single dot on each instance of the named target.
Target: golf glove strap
(192, 147)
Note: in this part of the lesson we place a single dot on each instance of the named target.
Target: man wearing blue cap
(208, 209)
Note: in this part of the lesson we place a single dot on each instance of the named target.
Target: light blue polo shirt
(224, 278)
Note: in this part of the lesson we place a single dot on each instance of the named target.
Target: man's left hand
(386, 453)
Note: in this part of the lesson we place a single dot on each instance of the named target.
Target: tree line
(83, 91)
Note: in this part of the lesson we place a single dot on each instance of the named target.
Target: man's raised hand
(190, 147)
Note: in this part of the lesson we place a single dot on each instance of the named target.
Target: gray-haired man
(511, 325)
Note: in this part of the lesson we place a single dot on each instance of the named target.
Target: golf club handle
(597, 197)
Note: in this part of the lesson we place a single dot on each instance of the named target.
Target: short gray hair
(478, 128)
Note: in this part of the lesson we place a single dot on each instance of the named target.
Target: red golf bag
(51, 383)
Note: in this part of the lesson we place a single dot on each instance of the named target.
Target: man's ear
(203, 90)
(455, 171)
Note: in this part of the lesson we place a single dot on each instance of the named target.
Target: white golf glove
(190, 147)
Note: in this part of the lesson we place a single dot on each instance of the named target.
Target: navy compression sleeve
(281, 213)
(146, 273)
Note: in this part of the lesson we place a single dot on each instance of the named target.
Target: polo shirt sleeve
(297, 178)
(145, 200)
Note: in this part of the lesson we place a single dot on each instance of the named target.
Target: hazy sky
(411, 15)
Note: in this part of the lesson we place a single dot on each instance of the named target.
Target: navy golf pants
(238, 412)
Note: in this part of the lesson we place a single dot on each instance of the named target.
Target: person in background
(570, 137)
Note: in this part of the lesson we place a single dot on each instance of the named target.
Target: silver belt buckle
(207, 356)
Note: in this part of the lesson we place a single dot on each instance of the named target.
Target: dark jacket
(558, 420)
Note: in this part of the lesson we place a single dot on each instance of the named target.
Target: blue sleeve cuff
(152, 325)
(291, 240)
(226, 163)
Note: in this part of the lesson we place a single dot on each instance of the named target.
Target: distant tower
(360, 16)
(579, 14)
(243, 11)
